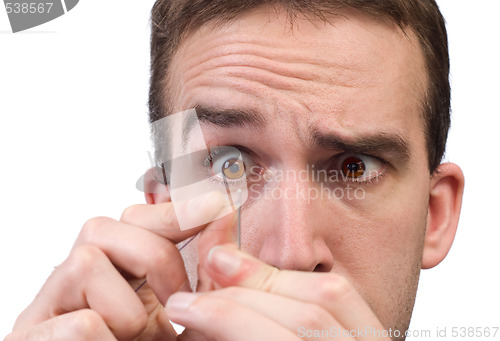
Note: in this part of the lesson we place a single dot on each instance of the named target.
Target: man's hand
(260, 302)
(91, 295)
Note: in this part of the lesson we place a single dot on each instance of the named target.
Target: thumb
(228, 266)
(222, 231)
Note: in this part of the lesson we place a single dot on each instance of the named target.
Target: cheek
(376, 242)
(391, 221)
(382, 256)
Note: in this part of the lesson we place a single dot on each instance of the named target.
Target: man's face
(341, 98)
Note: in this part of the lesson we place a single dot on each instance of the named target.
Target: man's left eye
(360, 168)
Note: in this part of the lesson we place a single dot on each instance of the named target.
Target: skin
(317, 264)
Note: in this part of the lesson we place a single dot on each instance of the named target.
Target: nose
(293, 220)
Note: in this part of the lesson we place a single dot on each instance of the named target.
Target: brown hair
(171, 20)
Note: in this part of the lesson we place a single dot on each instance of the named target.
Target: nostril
(321, 268)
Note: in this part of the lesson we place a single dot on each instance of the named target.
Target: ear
(155, 189)
(445, 202)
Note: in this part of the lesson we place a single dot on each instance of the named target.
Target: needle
(239, 219)
(190, 240)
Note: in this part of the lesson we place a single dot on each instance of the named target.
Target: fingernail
(180, 301)
(225, 261)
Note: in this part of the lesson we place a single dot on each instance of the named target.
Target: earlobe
(445, 202)
(155, 190)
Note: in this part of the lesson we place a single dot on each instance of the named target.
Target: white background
(74, 139)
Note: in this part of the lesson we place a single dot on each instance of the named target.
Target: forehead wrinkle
(245, 46)
(260, 46)
(251, 73)
(276, 57)
(271, 71)
(257, 81)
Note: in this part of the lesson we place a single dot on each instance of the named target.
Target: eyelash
(369, 180)
(373, 179)
(216, 151)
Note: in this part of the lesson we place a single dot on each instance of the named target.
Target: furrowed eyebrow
(379, 144)
(228, 118)
(224, 118)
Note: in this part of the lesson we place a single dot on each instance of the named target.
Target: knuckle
(93, 227)
(163, 254)
(313, 317)
(267, 282)
(87, 323)
(334, 288)
(134, 322)
(129, 214)
(82, 261)
(168, 217)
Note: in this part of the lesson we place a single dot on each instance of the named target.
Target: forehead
(353, 73)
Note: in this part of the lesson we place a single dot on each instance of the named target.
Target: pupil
(353, 167)
(235, 167)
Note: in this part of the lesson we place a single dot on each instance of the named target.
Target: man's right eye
(229, 166)
(233, 168)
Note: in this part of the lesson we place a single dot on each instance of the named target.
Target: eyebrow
(229, 118)
(224, 118)
(384, 143)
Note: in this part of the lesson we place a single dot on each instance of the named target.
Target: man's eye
(233, 168)
(353, 167)
(360, 168)
(228, 165)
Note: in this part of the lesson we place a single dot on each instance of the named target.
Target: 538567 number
(477, 332)
(27, 7)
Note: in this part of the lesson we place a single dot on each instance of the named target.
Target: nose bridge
(295, 239)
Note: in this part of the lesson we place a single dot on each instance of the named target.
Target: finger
(162, 218)
(304, 319)
(87, 279)
(139, 252)
(228, 266)
(81, 325)
(217, 233)
(297, 316)
(223, 320)
(191, 335)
